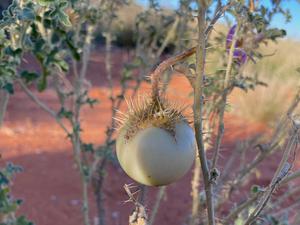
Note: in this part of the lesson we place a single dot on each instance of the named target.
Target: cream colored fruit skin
(154, 157)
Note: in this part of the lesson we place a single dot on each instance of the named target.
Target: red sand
(50, 184)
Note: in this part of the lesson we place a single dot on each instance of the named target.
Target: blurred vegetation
(9, 205)
(279, 71)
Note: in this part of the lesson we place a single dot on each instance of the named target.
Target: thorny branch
(139, 215)
(224, 100)
(267, 149)
(233, 214)
(41, 104)
(198, 110)
(282, 170)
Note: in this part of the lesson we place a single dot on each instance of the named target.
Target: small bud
(214, 174)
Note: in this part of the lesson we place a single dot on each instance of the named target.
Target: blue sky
(292, 28)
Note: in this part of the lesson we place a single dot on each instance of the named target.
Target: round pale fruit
(154, 156)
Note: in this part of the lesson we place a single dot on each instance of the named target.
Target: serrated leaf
(63, 65)
(64, 19)
(45, 2)
(9, 88)
(63, 5)
(27, 14)
(29, 76)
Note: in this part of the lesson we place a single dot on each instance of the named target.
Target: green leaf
(73, 49)
(27, 14)
(29, 76)
(63, 5)
(42, 84)
(23, 221)
(3, 179)
(47, 23)
(92, 102)
(45, 2)
(63, 65)
(64, 19)
(275, 33)
(9, 88)
(12, 52)
(63, 113)
(55, 38)
(88, 147)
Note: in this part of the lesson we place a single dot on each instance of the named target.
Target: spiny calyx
(151, 112)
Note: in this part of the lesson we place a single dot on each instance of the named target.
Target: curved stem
(162, 67)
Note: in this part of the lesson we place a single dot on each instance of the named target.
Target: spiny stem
(198, 110)
(162, 67)
(224, 99)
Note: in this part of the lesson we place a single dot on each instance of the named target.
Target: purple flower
(239, 55)
(229, 37)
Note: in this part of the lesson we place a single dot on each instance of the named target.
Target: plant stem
(76, 139)
(195, 193)
(198, 110)
(98, 182)
(159, 196)
(162, 67)
(273, 143)
(233, 214)
(280, 173)
(291, 177)
(43, 106)
(4, 97)
(224, 100)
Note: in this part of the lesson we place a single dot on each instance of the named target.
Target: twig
(267, 149)
(224, 99)
(279, 201)
(99, 163)
(291, 207)
(159, 196)
(241, 207)
(250, 201)
(169, 36)
(4, 97)
(98, 182)
(139, 215)
(280, 173)
(195, 193)
(291, 177)
(220, 11)
(76, 139)
(42, 105)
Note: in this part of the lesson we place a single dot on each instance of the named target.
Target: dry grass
(267, 104)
